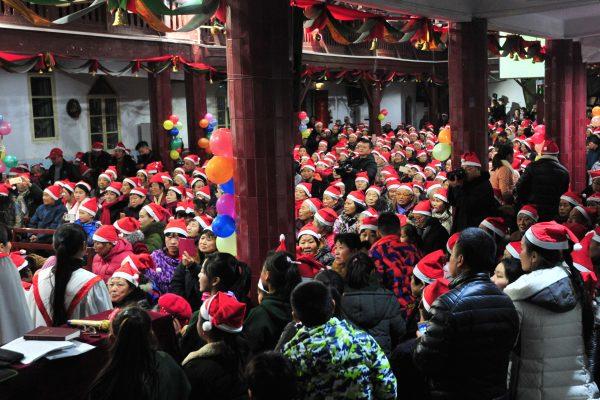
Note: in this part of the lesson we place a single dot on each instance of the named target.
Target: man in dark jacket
(364, 162)
(472, 197)
(543, 182)
(146, 155)
(465, 351)
(97, 159)
(28, 199)
(123, 161)
(60, 169)
(433, 234)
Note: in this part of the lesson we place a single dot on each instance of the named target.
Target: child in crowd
(87, 212)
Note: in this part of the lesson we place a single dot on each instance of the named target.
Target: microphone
(102, 325)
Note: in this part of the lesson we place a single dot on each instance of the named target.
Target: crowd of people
(411, 278)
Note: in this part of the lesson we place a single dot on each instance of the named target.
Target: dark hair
(512, 268)
(352, 240)
(68, 241)
(141, 144)
(359, 267)
(283, 273)
(311, 302)
(134, 345)
(271, 376)
(478, 249)
(199, 204)
(365, 140)
(388, 223)
(177, 195)
(413, 236)
(335, 283)
(504, 152)
(233, 275)
(84, 188)
(593, 139)
(4, 234)
(359, 207)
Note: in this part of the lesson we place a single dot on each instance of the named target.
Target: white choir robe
(15, 320)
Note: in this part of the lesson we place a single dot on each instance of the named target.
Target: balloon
(384, 112)
(595, 122)
(219, 169)
(442, 151)
(221, 142)
(305, 120)
(204, 123)
(381, 117)
(223, 226)
(302, 127)
(174, 132)
(179, 125)
(176, 143)
(203, 143)
(2, 167)
(10, 161)
(5, 128)
(228, 244)
(226, 205)
(208, 117)
(302, 115)
(444, 136)
(210, 128)
(305, 134)
(596, 111)
(174, 154)
(179, 150)
(168, 125)
(228, 187)
(174, 119)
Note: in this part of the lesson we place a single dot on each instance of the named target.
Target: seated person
(49, 214)
(124, 285)
(87, 212)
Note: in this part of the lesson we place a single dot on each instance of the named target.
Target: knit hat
(308, 266)
(496, 225)
(572, 198)
(193, 158)
(551, 236)
(176, 306)
(470, 159)
(115, 187)
(127, 225)
(306, 187)
(156, 211)
(550, 148)
(434, 290)
(423, 208)
(204, 220)
(368, 223)
(90, 206)
(17, 258)
(429, 268)
(452, 241)
(139, 191)
(53, 191)
(106, 234)
(132, 265)
(358, 197)
(84, 185)
(314, 204)
(362, 177)
(442, 194)
(514, 249)
(530, 211)
(134, 181)
(223, 312)
(176, 226)
(309, 229)
(326, 216)
(332, 191)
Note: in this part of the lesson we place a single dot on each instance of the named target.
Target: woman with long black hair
(135, 369)
(66, 290)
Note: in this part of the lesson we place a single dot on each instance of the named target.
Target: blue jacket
(89, 228)
(47, 217)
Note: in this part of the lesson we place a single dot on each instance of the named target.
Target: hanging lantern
(120, 18)
(373, 45)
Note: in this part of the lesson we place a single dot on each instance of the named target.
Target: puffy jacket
(376, 311)
(551, 356)
(473, 201)
(105, 266)
(542, 184)
(47, 217)
(465, 351)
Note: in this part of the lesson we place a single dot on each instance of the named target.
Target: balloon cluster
(209, 123)
(382, 114)
(173, 127)
(443, 150)
(6, 160)
(595, 117)
(304, 131)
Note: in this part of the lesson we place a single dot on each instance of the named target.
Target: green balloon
(176, 143)
(10, 161)
(442, 151)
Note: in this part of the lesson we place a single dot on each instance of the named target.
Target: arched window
(104, 114)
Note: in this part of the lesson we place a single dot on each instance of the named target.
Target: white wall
(510, 89)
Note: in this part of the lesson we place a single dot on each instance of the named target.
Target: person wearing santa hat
(122, 160)
(124, 284)
(568, 200)
(97, 160)
(551, 302)
(368, 230)
(129, 229)
(310, 242)
(49, 215)
(137, 200)
(455, 352)
(347, 222)
(526, 217)
(152, 223)
(110, 251)
(307, 211)
(405, 199)
(307, 172)
(113, 203)
(433, 235)
(333, 198)
(506, 272)
(87, 215)
(323, 221)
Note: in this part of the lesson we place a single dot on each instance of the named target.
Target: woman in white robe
(15, 320)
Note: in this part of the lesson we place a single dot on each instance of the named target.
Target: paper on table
(34, 349)
(77, 349)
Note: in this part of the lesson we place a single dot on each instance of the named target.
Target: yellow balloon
(228, 244)
(305, 133)
(174, 154)
(596, 111)
(445, 136)
(168, 125)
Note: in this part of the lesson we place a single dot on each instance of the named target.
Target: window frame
(222, 93)
(54, 107)
(102, 98)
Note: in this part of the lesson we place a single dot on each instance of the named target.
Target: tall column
(195, 104)
(565, 91)
(467, 80)
(434, 95)
(373, 93)
(260, 74)
(160, 94)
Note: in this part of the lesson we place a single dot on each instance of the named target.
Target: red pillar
(260, 74)
(195, 104)
(467, 80)
(159, 91)
(565, 91)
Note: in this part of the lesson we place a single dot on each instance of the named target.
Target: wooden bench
(31, 246)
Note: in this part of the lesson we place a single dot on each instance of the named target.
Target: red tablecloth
(69, 378)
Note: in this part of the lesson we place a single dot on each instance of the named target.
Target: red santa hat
(204, 193)
(596, 235)
(175, 306)
(84, 185)
(67, 185)
(132, 265)
(394, 184)
(112, 172)
(496, 225)
(368, 223)
(594, 198)
(442, 194)
(181, 206)
(97, 146)
(594, 174)
(441, 176)
(589, 213)
(155, 211)
(530, 211)
(176, 226)
(223, 312)
(434, 290)
(134, 181)
(204, 220)
(127, 225)
(90, 206)
(17, 258)
(139, 191)
(452, 241)
(423, 208)
(115, 187)
(514, 249)
(154, 167)
(432, 186)
(180, 190)
(326, 216)
(550, 148)
(470, 159)
(4, 190)
(332, 191)
(358, 197)
(121, 146)
(314, 204)
(339, 183)
(142, 171)
(309, 164)
(573, 198)
(308, 266)
(106, 234)
(306, 187)
(165, 177)
(430, 267)
(375, 189)
(193, 158)
(362, 177)
(309, 229)
(53, 191)
(551, 236)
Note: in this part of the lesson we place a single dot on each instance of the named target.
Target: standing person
(502, 174)
(365, 161)
(123, 161)
(456, 353)
(433, 235)
(556, 318)
(593, 151)
(60, 169)
(7, 209)
(97, 160)
(145, 155)
(472, 196)
(270, 376)
(543, 182)
(66, 290)
(135, 369)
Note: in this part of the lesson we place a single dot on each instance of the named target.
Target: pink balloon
(209, 116)
(2, 167)
(221, 143)
(302, 115)
(5, 128)
(226, 205)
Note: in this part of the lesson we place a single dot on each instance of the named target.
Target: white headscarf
(15, 320)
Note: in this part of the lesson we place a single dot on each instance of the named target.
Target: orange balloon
(204, 143)
(219, 169)
(445, 136)
(203, 123)
(596, 111)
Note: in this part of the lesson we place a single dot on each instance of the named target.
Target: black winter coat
(68, 171)
(473, 201)
(542, 184)
(466, 348)
(185, 284)
(360, 164)
(434, 236)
